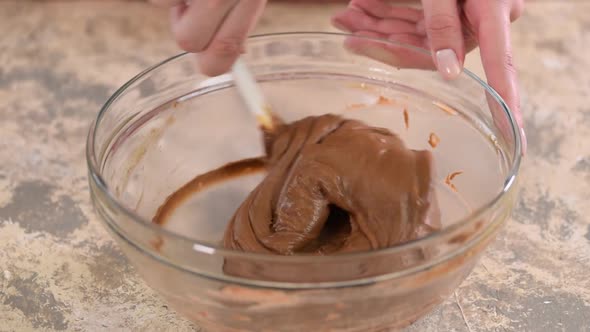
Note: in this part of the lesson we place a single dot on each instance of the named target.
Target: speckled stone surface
(59, 269)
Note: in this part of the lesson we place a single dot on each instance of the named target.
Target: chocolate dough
(335, 186)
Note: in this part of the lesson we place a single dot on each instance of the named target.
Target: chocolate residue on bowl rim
(433, 140)
(406, 118)
(449, 179)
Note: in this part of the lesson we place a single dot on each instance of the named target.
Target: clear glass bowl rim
(205, 248)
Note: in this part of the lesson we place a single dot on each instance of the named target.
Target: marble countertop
(60, 270)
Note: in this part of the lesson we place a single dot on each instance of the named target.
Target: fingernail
(447, 63)
(523, 140)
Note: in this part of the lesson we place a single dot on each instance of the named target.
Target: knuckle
(225, 46)
(442, 25)
(508, 63)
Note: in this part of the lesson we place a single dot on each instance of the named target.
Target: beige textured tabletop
(59, 269)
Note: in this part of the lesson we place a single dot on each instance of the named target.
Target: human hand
(216, 29)
(450, 29)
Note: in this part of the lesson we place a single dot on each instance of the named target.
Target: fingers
(496, 55)
(381, 9)
(390, 53)
(167, 3)
(376, 15)
(227, 44)
(377, 19)
(216, 29)
(195, 26)
(440, 28)
(356, 20)
(445, 34)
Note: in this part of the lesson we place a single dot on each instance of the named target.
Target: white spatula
(252, 95)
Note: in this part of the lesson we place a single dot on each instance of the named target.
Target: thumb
(443, 27)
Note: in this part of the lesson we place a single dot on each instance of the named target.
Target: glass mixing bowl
(170, 123)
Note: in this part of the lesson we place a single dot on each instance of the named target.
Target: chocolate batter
(335, 186)
(332, 186)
